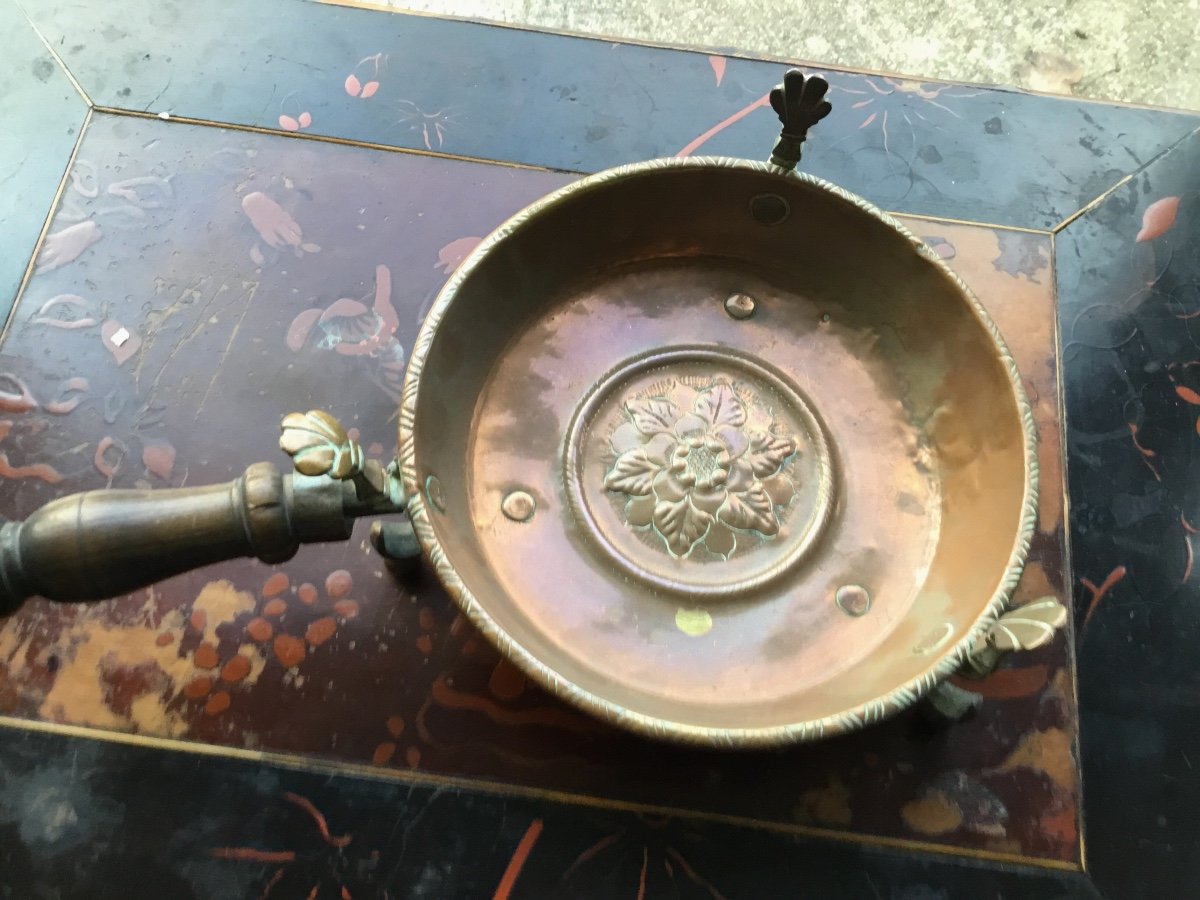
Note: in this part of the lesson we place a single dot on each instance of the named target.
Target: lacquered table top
(202, 223)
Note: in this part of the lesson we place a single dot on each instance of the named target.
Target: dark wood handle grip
(100, 544)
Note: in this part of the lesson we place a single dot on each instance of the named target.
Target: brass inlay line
(749, 56)
(297, 762)
(37, 245)
(1120, 184)
(326, 139)
(950, 221)
(1068, 573)
(530, 167)
(58, 59)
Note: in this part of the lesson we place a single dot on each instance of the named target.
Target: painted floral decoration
(699, 466)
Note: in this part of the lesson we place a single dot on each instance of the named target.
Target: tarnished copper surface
(706, 485)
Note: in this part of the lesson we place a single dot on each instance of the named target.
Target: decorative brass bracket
(1025, 627)
(800, 104)
(319, 445)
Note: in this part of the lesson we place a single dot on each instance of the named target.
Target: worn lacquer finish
(326, 655)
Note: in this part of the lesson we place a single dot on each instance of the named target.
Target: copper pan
(711, 449)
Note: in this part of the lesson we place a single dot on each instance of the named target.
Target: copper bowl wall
(895, 532)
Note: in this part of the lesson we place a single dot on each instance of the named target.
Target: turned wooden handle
(100, 544)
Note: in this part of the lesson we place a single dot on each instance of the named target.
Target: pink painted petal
(741, 476)
(733, 439)
(718, 67)
(353, 86)
(272, 222)
(383, 302)
(455, 252)
(305, 119)
(65, 246)
(300, 328)
(287, 123)
(660, 447)
(120, 341)
(159, 458)
(369, 89)
(1158, 218)
(345, 308)
(256, 256)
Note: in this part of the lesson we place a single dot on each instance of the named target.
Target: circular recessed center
(699, 470)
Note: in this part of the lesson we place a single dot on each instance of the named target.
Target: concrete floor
(1139, 51)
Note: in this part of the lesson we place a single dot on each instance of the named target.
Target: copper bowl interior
(932, 473)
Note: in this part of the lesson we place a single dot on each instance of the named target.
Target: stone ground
(1137, 51)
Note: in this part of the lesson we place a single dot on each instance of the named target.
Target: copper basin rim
(625, 363)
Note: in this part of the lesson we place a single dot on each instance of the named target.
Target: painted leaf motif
(718, 67)
(1029, 626)
(1187, 394)
(750, 510)
(652, 416)
(633, 473)
(680, 524)
(767, 453)
(719, 405)
(1158, 218)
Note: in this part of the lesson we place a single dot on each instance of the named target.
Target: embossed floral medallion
(699, 470)
(696, 468)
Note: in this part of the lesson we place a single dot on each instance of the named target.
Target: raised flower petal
(767, 453)
(661, 448)
(741, 476)
(625, 437)
(691, 426)
(680, 524)
(639, 511)
(750, 510)
(780, 489)
(632, 473)
(652, 416)
(708, 499)
(682, 395)
(720, 540)
(667, 486)
(719, 405)
(734, 439)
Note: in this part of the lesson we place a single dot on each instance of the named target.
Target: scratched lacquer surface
(1129, 280)
(209, 281)
(993, 155)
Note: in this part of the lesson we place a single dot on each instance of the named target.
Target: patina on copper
(716, 451)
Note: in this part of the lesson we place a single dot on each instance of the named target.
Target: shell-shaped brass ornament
(319, 445)
(1028, 626)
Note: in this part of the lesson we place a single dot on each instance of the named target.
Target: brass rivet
(853, 599)
(518, 506)
(740, 306)
(433, 490)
